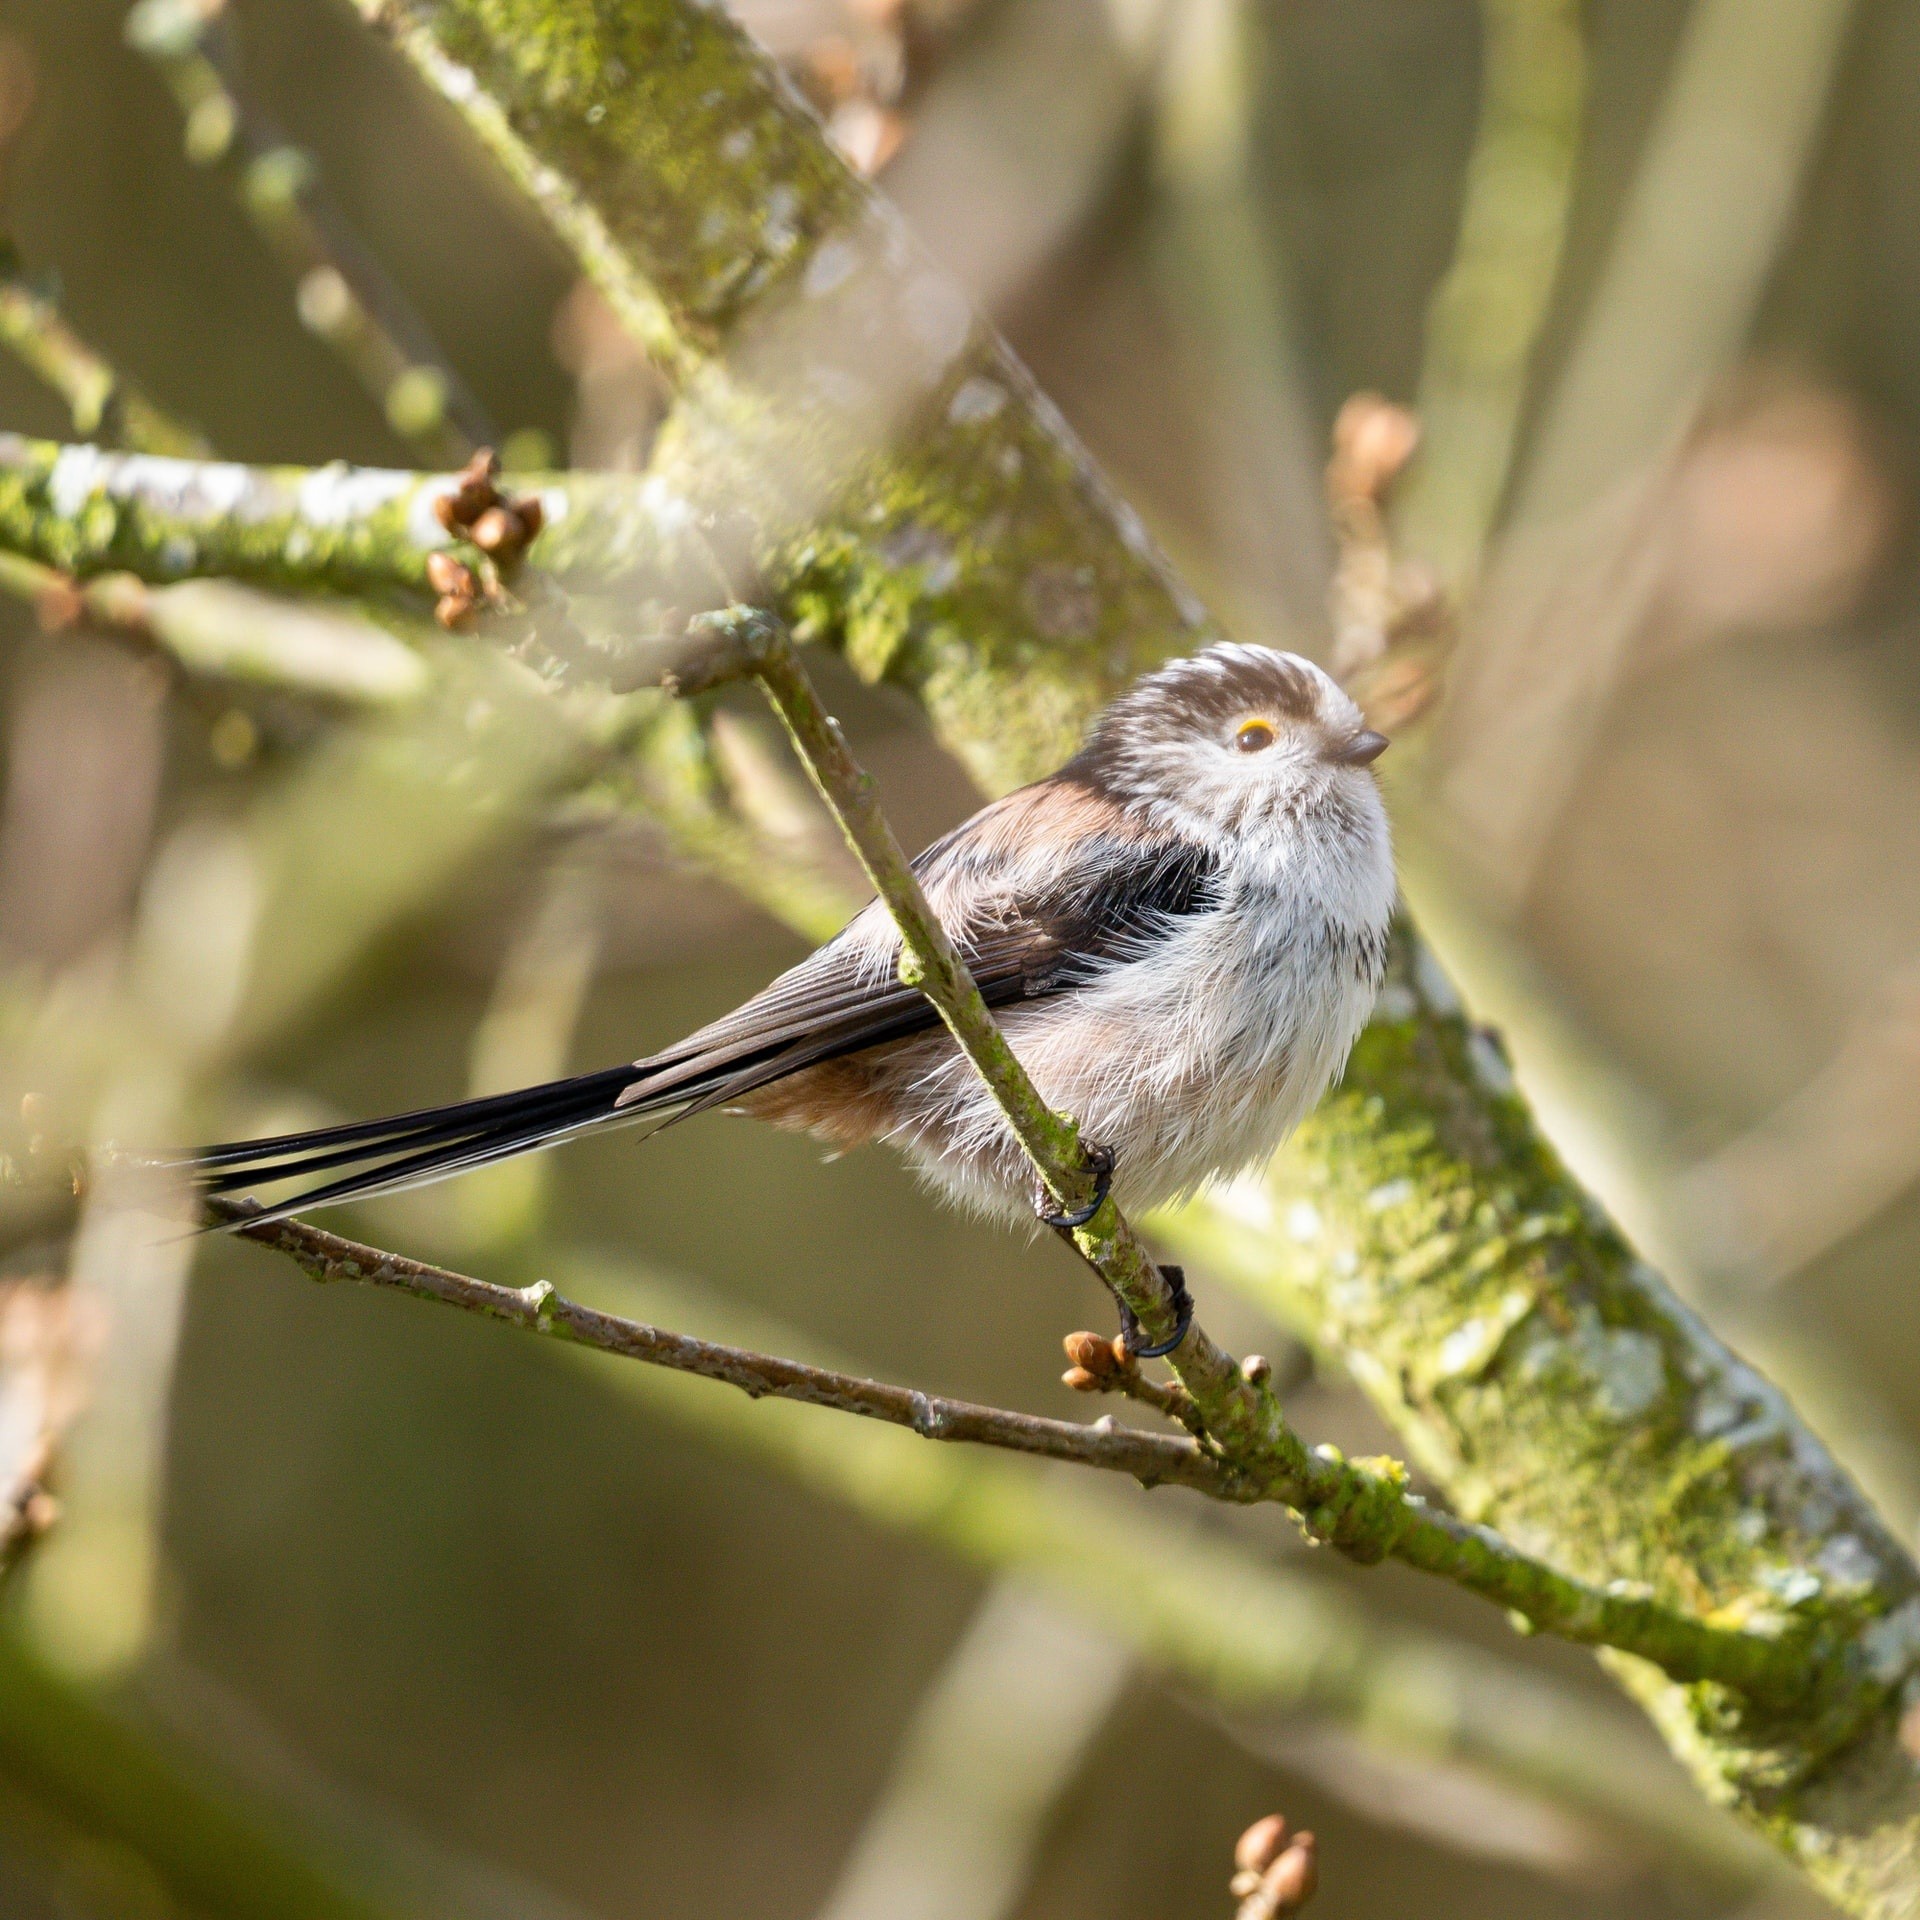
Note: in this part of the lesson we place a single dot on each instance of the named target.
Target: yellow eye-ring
(1255, 736)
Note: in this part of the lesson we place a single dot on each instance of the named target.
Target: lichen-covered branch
(621, 546)
(1768, 1667)
(230, 632)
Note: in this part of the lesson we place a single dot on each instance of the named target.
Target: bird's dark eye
(1255, 736)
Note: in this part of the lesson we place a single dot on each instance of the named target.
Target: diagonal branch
(342, 294)
(101, 399)
(1687, 1649)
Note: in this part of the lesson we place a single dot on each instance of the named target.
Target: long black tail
(776, 1034)
(834, 1003)
(410, 1149)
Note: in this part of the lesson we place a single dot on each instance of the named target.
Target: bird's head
(1235, 739)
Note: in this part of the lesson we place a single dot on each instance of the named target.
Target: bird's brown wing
(1099, 894)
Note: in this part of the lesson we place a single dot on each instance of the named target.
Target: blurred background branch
(341, 293)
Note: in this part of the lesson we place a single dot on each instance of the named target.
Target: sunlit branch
(1473, 1556)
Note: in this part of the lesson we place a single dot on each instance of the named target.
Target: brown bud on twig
(1099, 1358)
(1256, 1369)
(1259, 1847)
(498, 531)
(474, 494)
(447, 574)
(1276, 1875)
(1372, 442)
(453, 610)
(532, 517)
(1081, 1381)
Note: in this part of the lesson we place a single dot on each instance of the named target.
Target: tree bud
(1090, 1354)
(498, 531)
(1289, 1883)
(1259, 1847)
(447, 574)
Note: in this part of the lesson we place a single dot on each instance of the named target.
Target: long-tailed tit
(1183, 931)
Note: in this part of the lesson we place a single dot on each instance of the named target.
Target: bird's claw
(1100, 1159)
(1176, 1279)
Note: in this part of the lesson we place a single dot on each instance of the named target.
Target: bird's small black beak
(1362, 750)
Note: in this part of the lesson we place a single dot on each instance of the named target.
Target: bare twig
(104, 403)
(1768, 1668)
(1153, 1459)
(1107, 1366)
(344, 297)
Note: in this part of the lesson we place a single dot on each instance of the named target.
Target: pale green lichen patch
(703, 169)
(88, 512)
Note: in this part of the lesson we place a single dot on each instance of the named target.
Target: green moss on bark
(1421, 1231)
(88, 512)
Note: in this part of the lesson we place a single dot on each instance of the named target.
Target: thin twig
(1688, 1649)
(344, 296)
(103, 402)
(1151, 1458)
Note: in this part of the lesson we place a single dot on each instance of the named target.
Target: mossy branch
(1769, 1668)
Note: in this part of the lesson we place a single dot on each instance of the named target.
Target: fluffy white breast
(1197, 1059)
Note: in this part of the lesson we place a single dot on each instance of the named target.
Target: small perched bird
(1183, 931)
